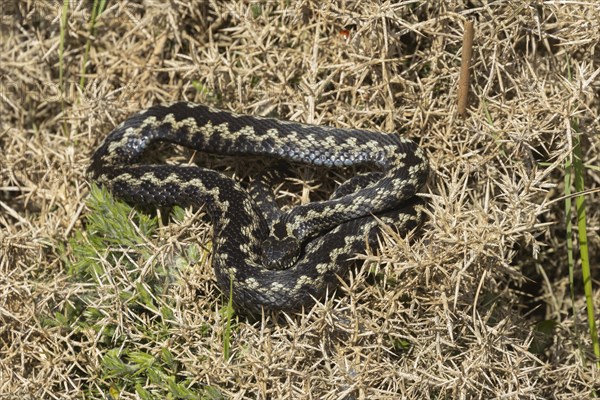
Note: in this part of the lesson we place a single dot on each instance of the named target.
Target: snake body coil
(324, 235)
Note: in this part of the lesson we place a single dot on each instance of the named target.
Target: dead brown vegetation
(451, 313)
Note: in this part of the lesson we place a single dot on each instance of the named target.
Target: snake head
(280, 253)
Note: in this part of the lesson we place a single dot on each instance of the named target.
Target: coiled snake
(305, 250)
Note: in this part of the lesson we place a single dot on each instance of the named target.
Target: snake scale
(271, 260)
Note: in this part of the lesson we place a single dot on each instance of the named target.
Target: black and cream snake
(271, 260)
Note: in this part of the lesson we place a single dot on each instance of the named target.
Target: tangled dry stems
(447, 313)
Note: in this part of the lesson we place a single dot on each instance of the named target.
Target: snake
(264, 258)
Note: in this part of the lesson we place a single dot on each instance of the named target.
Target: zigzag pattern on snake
(280, 264)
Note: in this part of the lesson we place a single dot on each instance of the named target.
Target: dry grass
(450, 314)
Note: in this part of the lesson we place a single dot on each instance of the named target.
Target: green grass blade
(61, 58)
(569, 240)
(61, 47)
(579, 184)
(97, 9)
(228, 313)
(578, 170)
